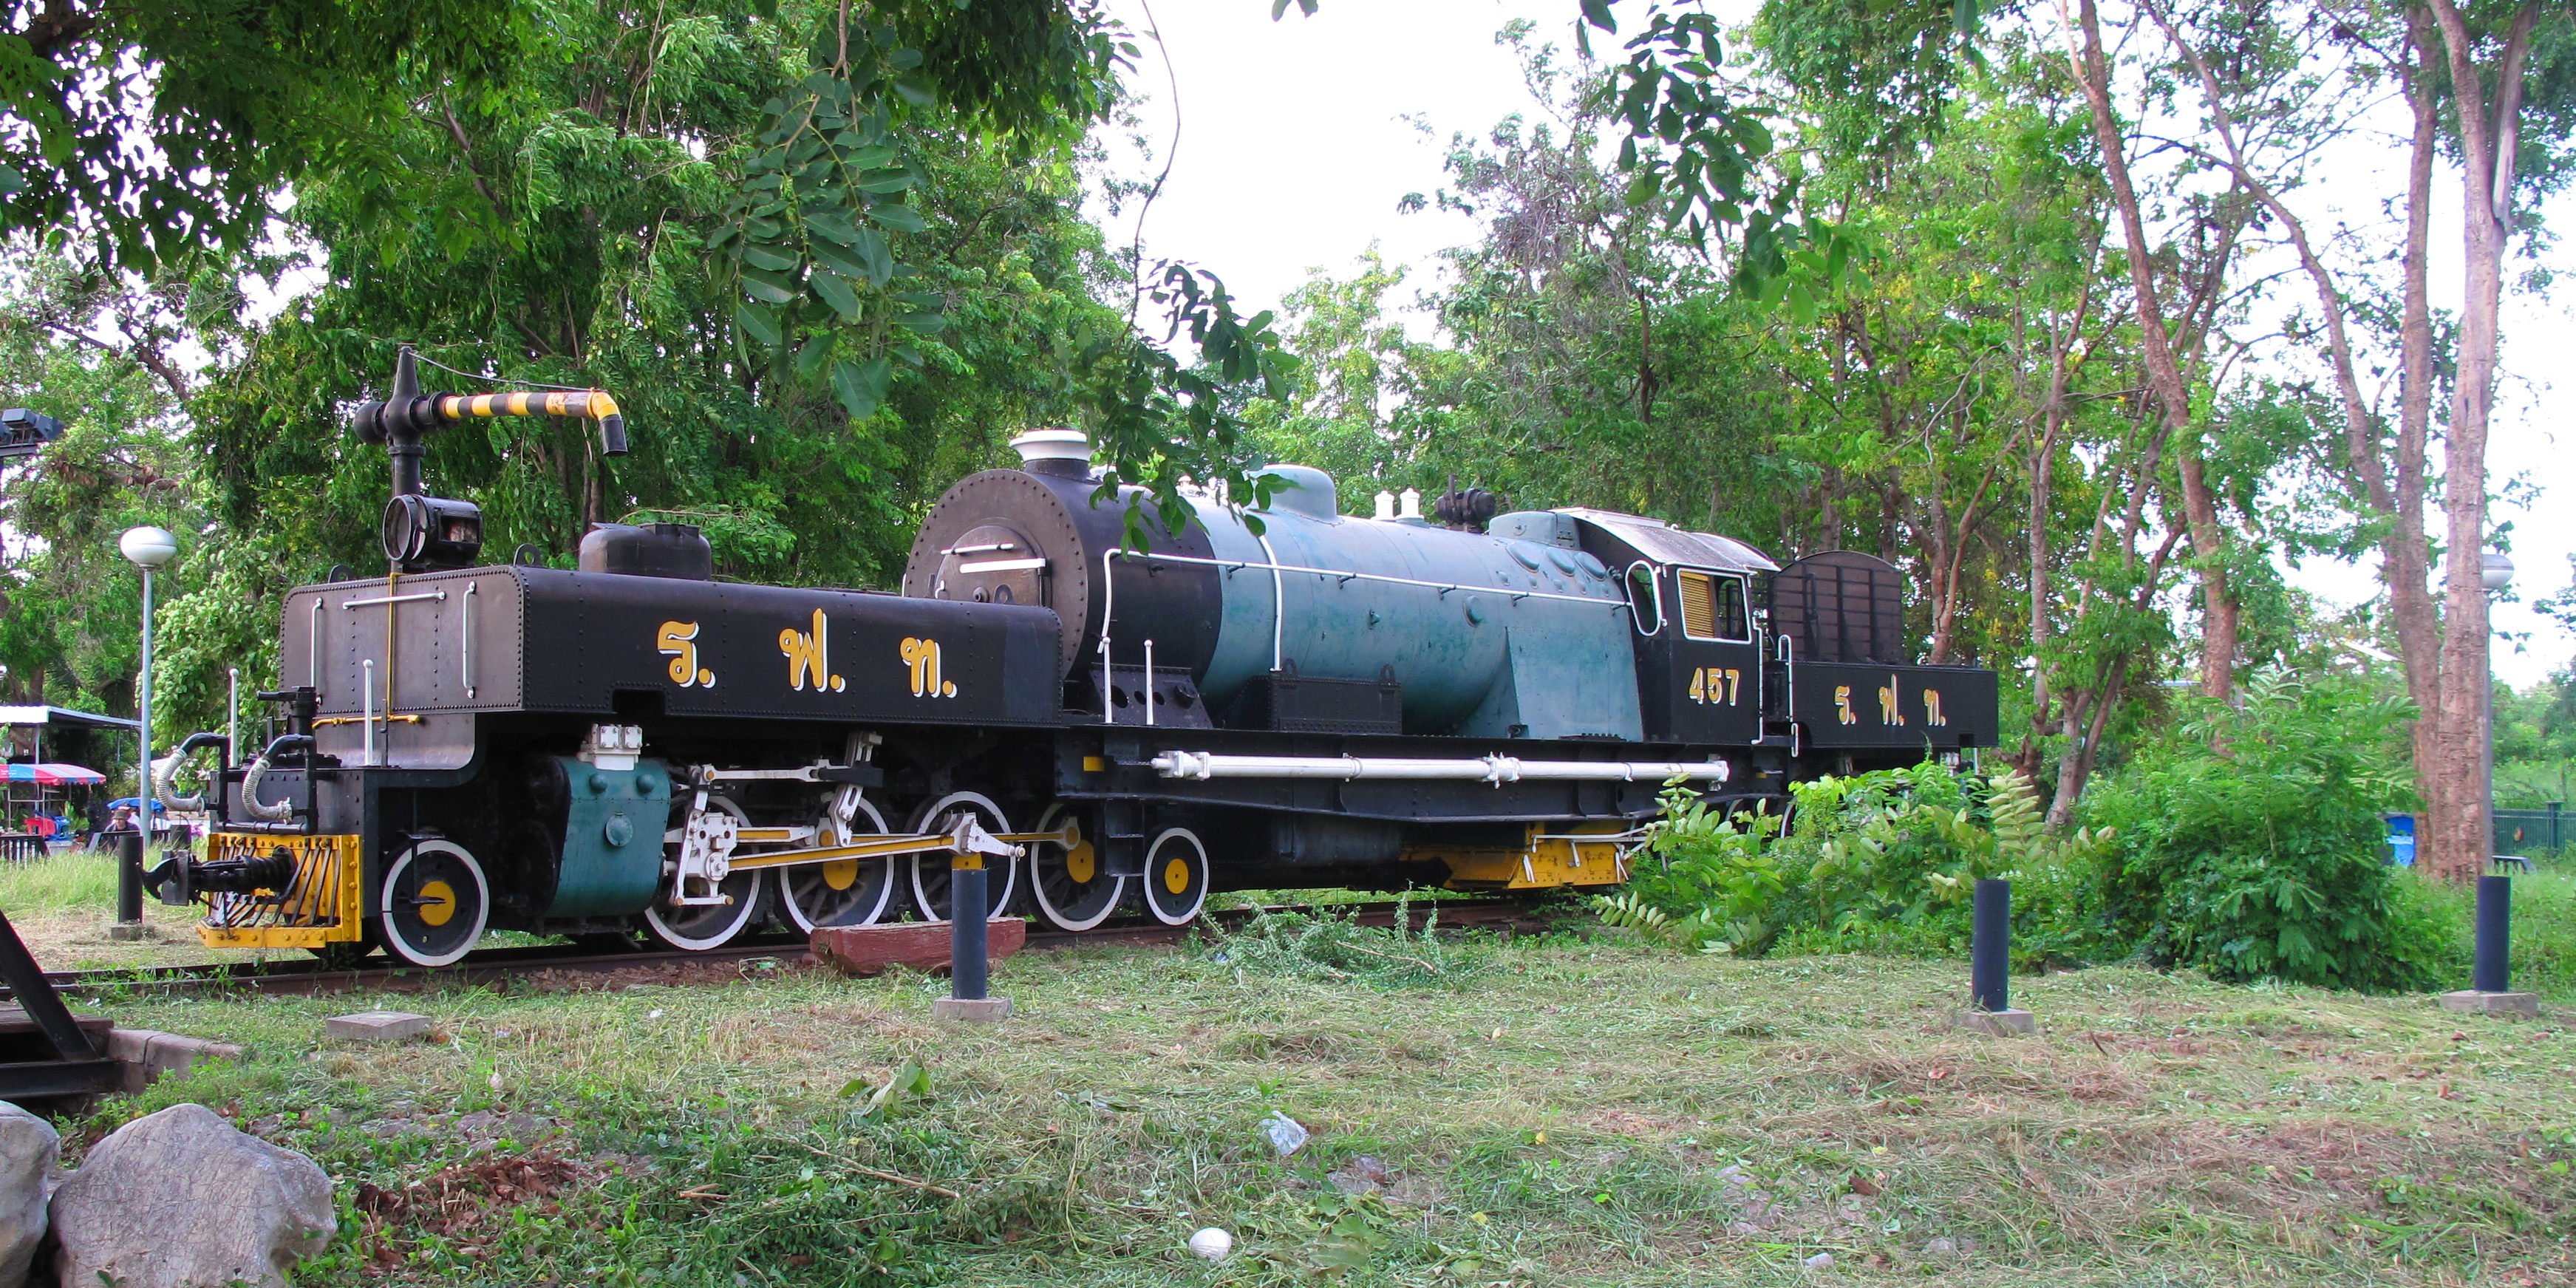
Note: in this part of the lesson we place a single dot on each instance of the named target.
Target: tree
(69, 603)
(146, 131)
(2506, 115)
(2488, 58)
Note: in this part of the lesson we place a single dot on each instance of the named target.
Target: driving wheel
(844, 892)
(930, 871)
(1074, 888)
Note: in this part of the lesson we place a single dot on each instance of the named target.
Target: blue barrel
(2401, 840)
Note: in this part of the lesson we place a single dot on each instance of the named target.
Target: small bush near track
(1325, 943)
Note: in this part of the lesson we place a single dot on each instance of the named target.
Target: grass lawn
(1553, 1111)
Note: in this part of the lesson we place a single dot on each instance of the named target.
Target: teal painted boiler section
(1499, 639)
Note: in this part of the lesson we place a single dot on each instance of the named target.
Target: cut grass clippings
(1571, 1111)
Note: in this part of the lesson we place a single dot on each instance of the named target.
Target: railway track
(493, 965)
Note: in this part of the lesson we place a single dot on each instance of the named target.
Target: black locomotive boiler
(1310, 699)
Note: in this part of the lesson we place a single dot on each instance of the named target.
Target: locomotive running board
(1498, 770)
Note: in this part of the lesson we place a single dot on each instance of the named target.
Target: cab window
(1712, 606)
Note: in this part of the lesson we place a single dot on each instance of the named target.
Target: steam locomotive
(1285, 696)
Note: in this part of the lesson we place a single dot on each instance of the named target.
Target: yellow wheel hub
(437, 903)
(1081, 863)
(841, 874)
(1176, 875)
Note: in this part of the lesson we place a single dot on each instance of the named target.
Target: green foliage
(1705, 881)
(2250, 841)
(1326, 944)
(151, 131)
(1884, 859)
(815, 234)
(70, 605)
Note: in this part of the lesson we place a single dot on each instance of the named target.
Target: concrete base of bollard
(377, 1026)
(2469, 999)
(972, 1010)
(1999, 1024)
(129, 931)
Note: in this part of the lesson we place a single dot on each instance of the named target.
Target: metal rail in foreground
(493, 965)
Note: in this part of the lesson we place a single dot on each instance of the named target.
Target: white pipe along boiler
(1492, 769)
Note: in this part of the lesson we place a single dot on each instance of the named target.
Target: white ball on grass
(1212, 1243)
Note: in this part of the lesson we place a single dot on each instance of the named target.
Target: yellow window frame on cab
(1713, 606)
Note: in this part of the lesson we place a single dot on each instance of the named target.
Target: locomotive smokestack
(1054, 451)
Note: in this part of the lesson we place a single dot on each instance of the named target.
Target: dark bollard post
(1990, 947)
(1990, 964)
(129, 878)
(969, 947)
(2490, 975)
(2495, 930)
(968, 966)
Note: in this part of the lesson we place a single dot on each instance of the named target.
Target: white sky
(1298, 139)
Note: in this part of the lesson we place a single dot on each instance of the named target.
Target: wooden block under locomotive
(632, 748)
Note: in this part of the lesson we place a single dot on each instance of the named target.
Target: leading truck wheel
(434, 903)
(930, 871)
(1176, 877)
(1074, 889)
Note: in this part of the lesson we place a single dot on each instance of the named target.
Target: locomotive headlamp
(426, 532)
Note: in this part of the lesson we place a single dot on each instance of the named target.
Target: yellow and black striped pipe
(592, 404)
(398, 422)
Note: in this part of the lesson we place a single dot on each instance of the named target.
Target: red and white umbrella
(52, 775)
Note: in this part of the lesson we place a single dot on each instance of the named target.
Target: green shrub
(1884, 860)
(2249, 842)
(1707, 881)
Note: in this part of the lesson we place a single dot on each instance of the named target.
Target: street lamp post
(2495, 572)
(147, 549)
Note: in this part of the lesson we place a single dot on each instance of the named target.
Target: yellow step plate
(1548, 858)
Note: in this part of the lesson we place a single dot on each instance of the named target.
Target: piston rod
(1492, 769)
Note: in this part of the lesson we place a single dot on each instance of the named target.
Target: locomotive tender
(1289, 698)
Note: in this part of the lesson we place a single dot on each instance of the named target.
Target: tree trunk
(2462, 834)
(2164, 370)
(2405, 562)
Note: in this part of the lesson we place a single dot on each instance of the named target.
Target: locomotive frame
(1299, 699)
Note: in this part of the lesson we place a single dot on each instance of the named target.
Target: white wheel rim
(885, 892)
(741, 917)
(994, 900)
(725, 934)
(1155, 894)
(393, 929)
(1060, 920)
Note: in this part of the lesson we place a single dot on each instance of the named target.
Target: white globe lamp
(146, 548)
(2495, 572)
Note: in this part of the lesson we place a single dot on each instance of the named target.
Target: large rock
(28, 1148)
(181, 1200)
